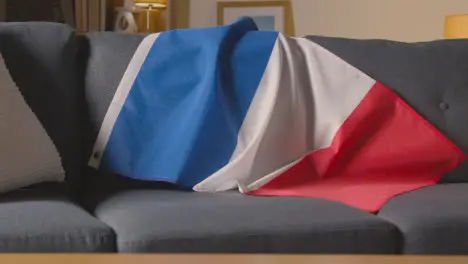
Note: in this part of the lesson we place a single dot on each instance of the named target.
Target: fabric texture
(33, 221)
(28, 156)
(430, 75)
(41, 58)
(427, 74)
(104, 57)
(181, 222)
(207, 115)
(432, 220)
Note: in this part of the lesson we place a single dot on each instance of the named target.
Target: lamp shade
(456, 26)
(152, 3)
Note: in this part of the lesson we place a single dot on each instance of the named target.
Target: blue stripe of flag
(181, 119)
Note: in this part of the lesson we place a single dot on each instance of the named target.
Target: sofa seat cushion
(32, 221)
(181, 222)
(433, 220)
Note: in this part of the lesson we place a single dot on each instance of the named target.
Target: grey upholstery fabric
(107, 56)
(433, 220)
(431, 77)
(33, 221)
(41, 58)
(24, 139)
(172, 221)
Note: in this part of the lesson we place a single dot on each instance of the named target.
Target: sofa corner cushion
(32, 221)
(183, 222)
(433, 220)
(42, 59)
(28, 155)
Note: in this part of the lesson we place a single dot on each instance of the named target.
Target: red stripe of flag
(383, 149)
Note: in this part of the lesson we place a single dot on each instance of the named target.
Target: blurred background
(402, 20)
(93, 15)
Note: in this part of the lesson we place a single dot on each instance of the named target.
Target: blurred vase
(125, 20)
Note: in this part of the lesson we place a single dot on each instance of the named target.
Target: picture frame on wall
(268, 15)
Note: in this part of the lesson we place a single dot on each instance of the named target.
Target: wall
(126, 3)
(403, 20)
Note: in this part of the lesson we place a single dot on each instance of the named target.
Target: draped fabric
(232, 107)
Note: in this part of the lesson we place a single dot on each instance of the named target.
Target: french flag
(231, 107)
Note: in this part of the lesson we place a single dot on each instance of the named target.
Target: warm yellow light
(151, 3)
(456, 26)
(151, 15)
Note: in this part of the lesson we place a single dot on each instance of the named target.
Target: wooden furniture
(227, 259)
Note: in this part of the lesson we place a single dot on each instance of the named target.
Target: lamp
(155, 18)
(162, 4)
(456, 26)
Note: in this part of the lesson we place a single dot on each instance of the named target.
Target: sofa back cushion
(107, 56)
(433, 76)
(41, 58)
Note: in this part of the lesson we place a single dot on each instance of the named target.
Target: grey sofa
(69, 80)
